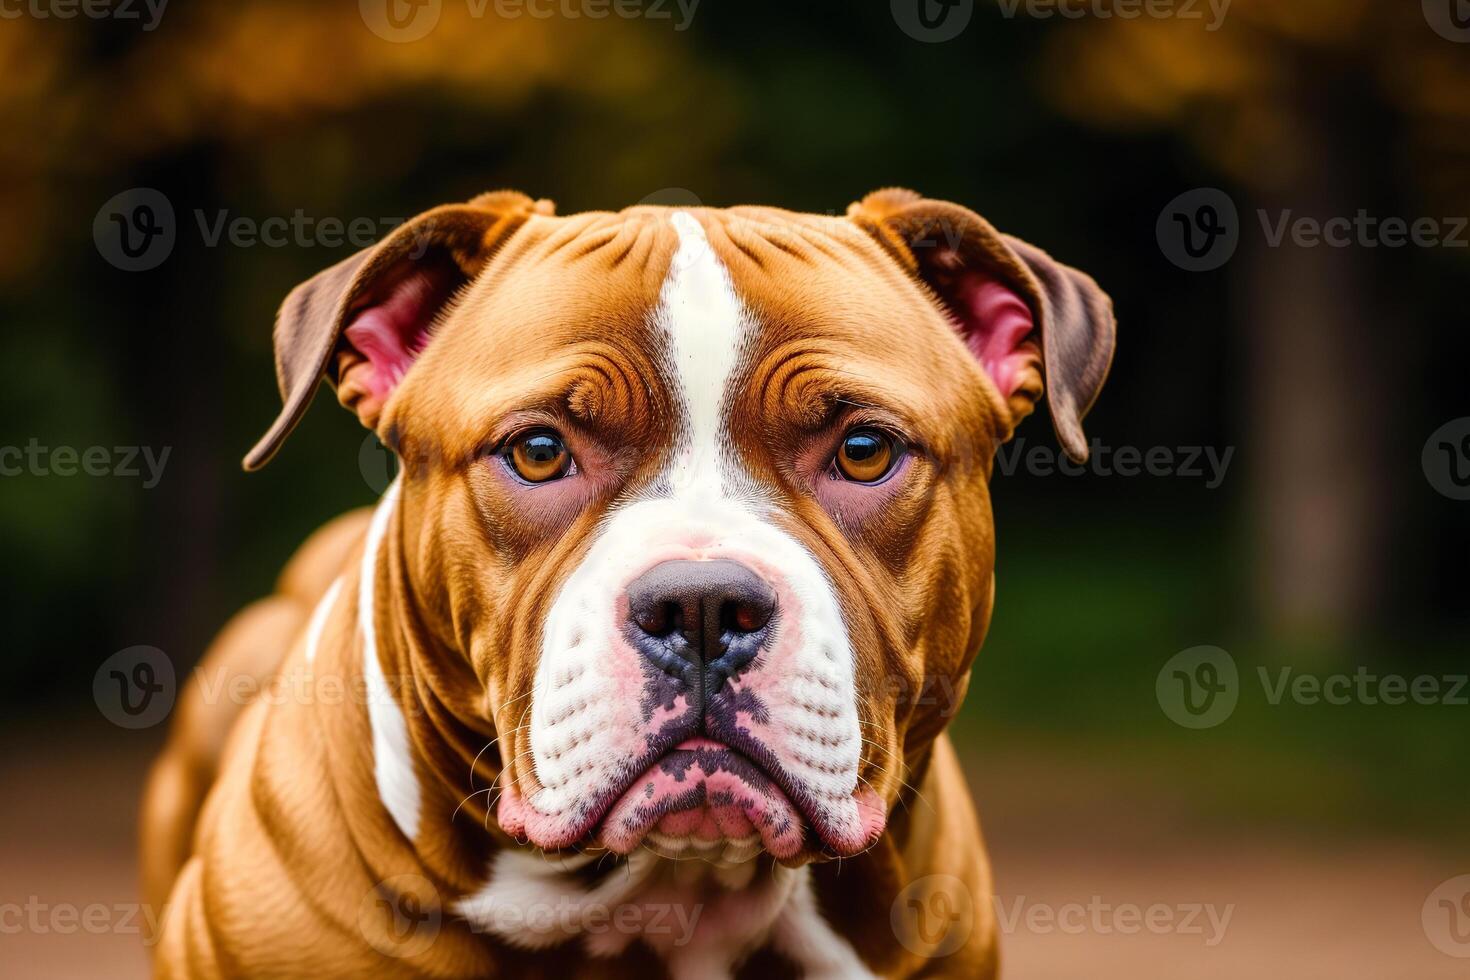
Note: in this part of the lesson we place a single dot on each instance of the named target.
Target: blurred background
(1309, 394)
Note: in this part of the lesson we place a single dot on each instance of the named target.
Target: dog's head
(697, 499)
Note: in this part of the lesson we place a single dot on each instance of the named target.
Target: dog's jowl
(617, 677)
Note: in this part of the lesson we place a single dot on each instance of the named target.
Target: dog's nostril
(744, 617)
(658, 619)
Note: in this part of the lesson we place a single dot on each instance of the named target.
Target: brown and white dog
(621, 677)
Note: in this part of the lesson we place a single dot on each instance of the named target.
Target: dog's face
(697, 500)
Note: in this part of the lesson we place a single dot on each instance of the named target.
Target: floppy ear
(1032, 322)
(361, 323)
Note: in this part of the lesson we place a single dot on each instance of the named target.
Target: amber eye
(539, 456)
(866, 455)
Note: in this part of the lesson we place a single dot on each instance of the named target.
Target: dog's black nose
(691, 616)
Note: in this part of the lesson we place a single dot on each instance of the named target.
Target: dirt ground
(1095, 879)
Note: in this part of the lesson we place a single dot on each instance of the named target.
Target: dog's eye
(539, 456)
(866, 455)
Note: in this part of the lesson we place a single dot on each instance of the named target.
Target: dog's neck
(435, 755)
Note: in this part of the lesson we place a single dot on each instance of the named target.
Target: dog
(631, 671)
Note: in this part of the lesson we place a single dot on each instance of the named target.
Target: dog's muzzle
(696, 690)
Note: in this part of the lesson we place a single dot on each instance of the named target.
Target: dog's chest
(701, 919)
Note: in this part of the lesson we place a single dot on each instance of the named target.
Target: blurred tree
(251, 111)
(1315, 108)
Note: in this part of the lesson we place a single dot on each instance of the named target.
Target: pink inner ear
(994, 323)
(391, 334)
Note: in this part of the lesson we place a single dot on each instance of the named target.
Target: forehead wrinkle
(592, 384)
(799, 235)
(810, 389)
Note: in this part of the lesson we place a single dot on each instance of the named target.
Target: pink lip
(701, 787)
(707, 790)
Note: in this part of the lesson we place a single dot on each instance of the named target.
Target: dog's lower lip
(703, 789)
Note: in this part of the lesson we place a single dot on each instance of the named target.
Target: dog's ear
(361, 323)
(1032, 322)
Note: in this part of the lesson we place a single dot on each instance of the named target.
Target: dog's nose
(710, 615)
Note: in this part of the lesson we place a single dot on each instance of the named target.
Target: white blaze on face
(706, 325)
(591, 721)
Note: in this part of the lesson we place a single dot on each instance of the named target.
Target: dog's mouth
(704, 799)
